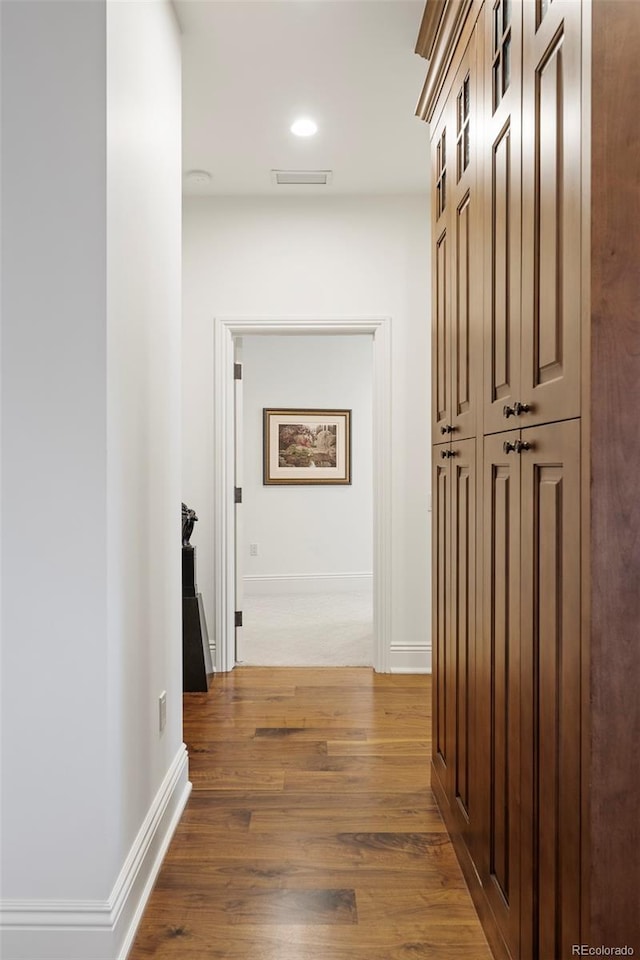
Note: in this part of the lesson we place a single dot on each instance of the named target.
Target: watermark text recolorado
(586, 950)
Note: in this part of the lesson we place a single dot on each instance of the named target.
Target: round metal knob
(447, 428)
(516, 410)
(517, 446)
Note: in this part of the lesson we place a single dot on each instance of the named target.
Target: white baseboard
(260, 586)
(137, 877)
(100, 929)
(410, 658)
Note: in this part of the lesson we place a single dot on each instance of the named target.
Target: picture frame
(310, 446)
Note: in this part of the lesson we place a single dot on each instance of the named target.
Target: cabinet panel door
(466, 246)
(550, 484)
(551, 198)
(441, 154)
(498, 686)
(443, 704)
(502, 211)
(463, 634)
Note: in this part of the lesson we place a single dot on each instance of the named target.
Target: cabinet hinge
(237, 494)
(237, 371)
(238, 618)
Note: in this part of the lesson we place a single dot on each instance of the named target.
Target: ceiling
(250, 67)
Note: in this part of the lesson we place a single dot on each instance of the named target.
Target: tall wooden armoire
(534, 113)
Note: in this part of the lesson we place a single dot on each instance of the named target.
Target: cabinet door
(441, 154)
(466, 245)
(502, 211)
(442, 703)
(498, 688)
(551, 200)
(551, 666)
(463, 634)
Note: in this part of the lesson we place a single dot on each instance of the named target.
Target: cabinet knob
(517, 446)
(516, 410)
(447, 428)
(445, 454)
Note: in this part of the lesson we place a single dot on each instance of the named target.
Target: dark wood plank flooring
(311, 832)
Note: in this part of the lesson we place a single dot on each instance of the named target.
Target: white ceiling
(250, 67)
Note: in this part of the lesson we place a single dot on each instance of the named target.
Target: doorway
(304, 543)
(226, 330)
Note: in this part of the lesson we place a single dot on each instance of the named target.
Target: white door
(238, 441)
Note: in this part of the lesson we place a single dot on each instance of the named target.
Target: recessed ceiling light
(304, 127)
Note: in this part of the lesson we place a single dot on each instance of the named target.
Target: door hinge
(237, 371)
(238, 618)
(237, 494)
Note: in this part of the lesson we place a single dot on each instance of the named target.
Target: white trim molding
(261, 586)
(100, 929)
(410, 658)
(225, 330)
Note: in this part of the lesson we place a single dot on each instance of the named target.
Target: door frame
(225, 330)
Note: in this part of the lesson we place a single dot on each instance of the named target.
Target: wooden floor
(311, 832)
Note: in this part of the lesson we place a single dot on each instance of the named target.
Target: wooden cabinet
(441, 605)
(551, 670)
(532, 192)
(502, 216)
(463, 629)
(498, 688)
(457, 258)
(454, 628)
(536, 393)
(549, 381)
(441, 268)
(529, 687)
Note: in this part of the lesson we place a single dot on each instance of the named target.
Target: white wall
(330, 257)
(54, 494)
(144, 211)
(306, 531)
(90, 469)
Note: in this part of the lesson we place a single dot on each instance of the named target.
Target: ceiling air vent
(302, 177)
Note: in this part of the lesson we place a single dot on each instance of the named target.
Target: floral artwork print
(306, 446)
(300, 445)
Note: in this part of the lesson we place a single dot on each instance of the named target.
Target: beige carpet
(299, 630)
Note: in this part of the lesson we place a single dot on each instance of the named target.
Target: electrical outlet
(253, 549)
(162, 710)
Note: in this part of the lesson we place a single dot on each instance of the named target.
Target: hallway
(311, 832)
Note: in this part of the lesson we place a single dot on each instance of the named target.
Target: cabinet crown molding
(431, 18)
(442, 24)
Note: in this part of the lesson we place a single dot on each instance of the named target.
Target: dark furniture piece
(196, 654)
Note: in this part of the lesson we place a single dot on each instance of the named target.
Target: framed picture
(307, 446)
